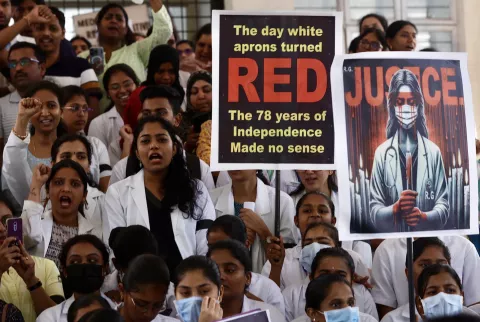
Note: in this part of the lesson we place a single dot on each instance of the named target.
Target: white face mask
(406, 109)
(442, 304)
(308, 254)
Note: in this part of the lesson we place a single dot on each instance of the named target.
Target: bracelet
(21, 137)
(35, 286)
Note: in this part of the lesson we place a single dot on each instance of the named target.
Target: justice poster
(406, 122)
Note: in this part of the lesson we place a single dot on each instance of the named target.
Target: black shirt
(161, 227)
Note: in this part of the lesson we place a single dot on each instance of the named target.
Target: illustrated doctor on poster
(408, 186)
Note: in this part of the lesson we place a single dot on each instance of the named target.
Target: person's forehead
(22, 52)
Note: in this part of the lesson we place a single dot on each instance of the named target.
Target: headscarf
(159, 55)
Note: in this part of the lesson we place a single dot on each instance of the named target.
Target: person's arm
(105, 170)
(126, 133)
(26, 270)
(288, 230)
(383, 292)
(114, 212)
(119, 172)
(206, 175)
(40, 14)
(161, 31)
(275, 252)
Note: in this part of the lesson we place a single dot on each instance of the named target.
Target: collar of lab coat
(297, 250)
(112, 113)
(84, 227)
(248, 305)
(262, 201)
(67, 303)
(406, 311)
(421, 161)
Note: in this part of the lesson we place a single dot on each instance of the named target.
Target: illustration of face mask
(347, 314)
(406, 109)
(442, 304)
(308, 254)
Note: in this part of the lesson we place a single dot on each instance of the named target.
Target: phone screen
(96, 59)
(15, 228)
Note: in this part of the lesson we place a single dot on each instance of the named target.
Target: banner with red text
(272, 104)
(406, 127)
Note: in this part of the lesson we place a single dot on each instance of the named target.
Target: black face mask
(85, 278)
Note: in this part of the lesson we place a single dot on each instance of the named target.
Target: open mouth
(65, 201)
(46, 121)
(155, 156)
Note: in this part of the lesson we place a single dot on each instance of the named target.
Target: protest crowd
(123, 220)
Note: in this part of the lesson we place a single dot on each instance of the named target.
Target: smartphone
(15, 229)
(97, 59)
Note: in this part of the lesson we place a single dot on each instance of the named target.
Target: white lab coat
(266, 290)
(386, 184)
(37, 227)
(16, 172)
(106, 127)
(58, 313)
(402, 314)
(293, 272)
(264, 207)
(126, 205)
(362, 318)
(390, 282)
(295, 300)
(119, 172)
(250, 305)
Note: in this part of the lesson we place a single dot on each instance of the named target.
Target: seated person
(284, 265)
(84, 265)
(391, 287)
(32, 285)
(332, 260)
(439, 294)
(235, 265)
(330, 297)
(232, 227)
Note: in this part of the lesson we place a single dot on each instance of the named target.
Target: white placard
(407, 164)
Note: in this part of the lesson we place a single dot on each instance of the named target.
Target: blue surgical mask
(442, 304)
(188, 309)
(308, 254)
(347, 314)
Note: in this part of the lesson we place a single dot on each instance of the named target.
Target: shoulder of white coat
(96, 142)
(50, 314)
(290, 291)
(382, 148)
(457, 243)
(303, 318)
(266, 282)
(431, 145)
(122, 185)
(217, 192)
(364, 317)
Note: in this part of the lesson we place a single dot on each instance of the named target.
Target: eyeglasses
(374, 45)
(187, 52)
(143, 308)
(23, 62)
(75, 108)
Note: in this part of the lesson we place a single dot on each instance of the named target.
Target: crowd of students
(108, 167)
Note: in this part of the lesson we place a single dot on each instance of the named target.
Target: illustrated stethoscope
(392, 152)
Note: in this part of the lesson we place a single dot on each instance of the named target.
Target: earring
(85, 204)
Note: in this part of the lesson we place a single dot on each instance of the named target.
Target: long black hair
(83, 239)
(144, 270)
(180, 189)
(130, 36)
(404, 77)
(319, 288)
(71, 165)
(396, 26)
(383, 21)
(331, 184)
(158, 56)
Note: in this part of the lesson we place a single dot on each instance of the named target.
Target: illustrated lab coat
(386, 184)
(295, 301)
(264, 207)
(126, 205)
(38, 225)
